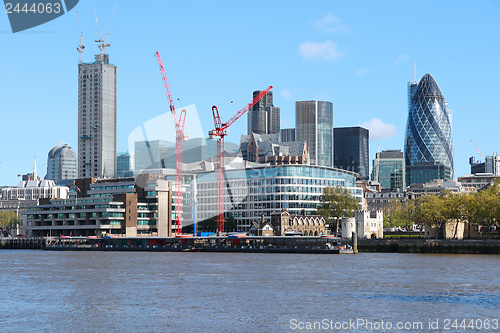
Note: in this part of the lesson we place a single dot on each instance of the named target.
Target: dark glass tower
(351, 150)
(428, 143)
(263, 117)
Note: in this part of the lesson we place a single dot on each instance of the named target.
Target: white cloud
(286, 94)
(325, 51)
(378, 129)
(402, 58)
(360, 72)
(330, 24)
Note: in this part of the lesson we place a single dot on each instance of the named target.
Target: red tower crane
(476, 148)
(179, 139)
(220, 132)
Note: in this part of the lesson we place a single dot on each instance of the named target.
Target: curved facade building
(429, 141)
(61, 163)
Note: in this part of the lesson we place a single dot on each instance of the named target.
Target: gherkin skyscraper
(429, 141)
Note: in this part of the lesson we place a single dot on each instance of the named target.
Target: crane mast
(219, 133)
(80, 46)
(179, 139)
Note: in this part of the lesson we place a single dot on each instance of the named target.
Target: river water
(49, 291)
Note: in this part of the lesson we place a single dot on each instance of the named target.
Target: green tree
(430, 211)
(211, 225)
(487, 209)
(8, 221)
(337, 202)
(456, 207)
(399, 214)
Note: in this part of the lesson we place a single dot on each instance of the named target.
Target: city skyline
(360, 59)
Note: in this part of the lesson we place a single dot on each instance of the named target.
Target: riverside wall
(468, 246)
(487, 246)
(22, 243)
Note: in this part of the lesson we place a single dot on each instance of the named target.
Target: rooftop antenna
(80, 46)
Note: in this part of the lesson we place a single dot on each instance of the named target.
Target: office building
(115, 207)
(97, 118)
(33, 190)
(61, 164)
(263, 117)
(253, 190)
(123, 165)
(429, 141)
(257, 191)
(477, 182)
(423, 172)
(287, 134)
(384, 199)
(434, 187)
(314, 123)
(389, 170)
(351, 146)
(155, 154)
(491, 165)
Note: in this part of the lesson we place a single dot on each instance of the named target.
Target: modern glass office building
(287, 134)
(154, 154)
(258, 191)
(389, 170)
(123, 165)
(351, 146)
(429, 141)
(263, 117)
(314, 123)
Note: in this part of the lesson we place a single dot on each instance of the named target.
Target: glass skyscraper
(351, 146)
(314, 123)
(428, 143)
(263, 117)
(123, 167)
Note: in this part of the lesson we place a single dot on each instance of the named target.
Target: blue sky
(357, 54)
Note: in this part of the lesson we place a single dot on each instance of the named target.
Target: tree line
(481, 209)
